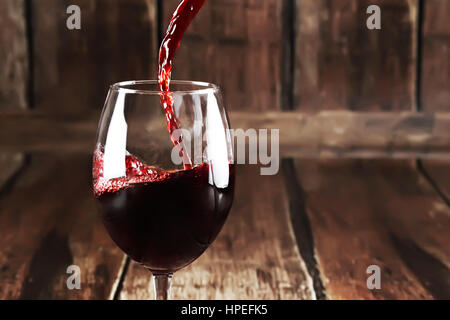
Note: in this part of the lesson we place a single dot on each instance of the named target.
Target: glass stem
(162, 284)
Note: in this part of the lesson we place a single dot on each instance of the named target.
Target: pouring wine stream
(181, 19)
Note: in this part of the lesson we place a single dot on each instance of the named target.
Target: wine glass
(164, 197)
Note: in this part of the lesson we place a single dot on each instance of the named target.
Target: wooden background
(266, 55)
(291, 64)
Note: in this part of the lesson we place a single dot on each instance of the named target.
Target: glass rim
(126, 87)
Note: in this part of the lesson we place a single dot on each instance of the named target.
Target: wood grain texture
(74, 68)
(341, 64)
(436, 56)
(13, 55)
(48, 221)
(254, 257)
(236, 44)
(377, 212)
(332, 134)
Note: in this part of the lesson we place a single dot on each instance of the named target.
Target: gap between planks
(427, 176)
(301, 225)
(255, 256)
(381, 212)
(118, 283)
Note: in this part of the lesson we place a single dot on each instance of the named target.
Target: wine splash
(136, 172)
(181, 19)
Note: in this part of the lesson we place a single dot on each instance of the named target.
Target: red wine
(162, 219)
(181, 19)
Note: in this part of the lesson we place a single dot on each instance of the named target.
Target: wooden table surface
(308, 233)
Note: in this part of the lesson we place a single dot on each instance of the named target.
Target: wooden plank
(436, 56)
(340, 64)
(49, 131)
(254, 257)
(13, 54)
(14, 75)
(236, 44)
(435, 94)
(74, 68)
(377, 212)
(48, 221)
(349, 134)
(337, 134)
